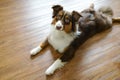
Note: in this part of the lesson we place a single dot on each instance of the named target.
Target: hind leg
(117, 19)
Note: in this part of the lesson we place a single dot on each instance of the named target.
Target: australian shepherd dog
(69, 30)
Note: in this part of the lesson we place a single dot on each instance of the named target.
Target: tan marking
(60, 13)
(54, 21)
(66, 17)
(68, 28)
(65, 49)
(44, 43)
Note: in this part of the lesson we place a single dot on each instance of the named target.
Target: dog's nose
(58, 27)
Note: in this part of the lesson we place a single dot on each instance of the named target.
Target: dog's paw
(49, 71)
(56, 65)
(35, 50)
(78, 33)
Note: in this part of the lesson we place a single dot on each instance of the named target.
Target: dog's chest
(60, 40)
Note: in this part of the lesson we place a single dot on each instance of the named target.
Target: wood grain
(25, 23)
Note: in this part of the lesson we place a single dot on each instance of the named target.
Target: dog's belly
(60, 41)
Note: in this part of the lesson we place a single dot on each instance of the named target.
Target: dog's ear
(76, 16)
(56, 9)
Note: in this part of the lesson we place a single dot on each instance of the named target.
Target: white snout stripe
(59, 23)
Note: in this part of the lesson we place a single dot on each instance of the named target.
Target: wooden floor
(25, 23)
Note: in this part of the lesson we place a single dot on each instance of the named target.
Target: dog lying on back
(70, 30)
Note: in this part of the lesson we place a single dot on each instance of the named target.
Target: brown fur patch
(54, 21)
(61, 13)
(44, 43)
(68, 28)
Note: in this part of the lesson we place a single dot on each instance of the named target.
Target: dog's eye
(58, 17)
(67, 21)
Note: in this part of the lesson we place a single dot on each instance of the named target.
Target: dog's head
(63, 20)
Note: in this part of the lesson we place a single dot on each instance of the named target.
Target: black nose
(58, 27)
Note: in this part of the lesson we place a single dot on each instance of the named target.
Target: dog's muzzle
(59, 25)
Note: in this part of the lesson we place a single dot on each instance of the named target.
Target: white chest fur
(60, 39)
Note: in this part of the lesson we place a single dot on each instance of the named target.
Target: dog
(69, 30)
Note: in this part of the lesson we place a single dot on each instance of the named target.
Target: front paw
(49, 71)
(78, 33)
(56, 65)
(35, 50)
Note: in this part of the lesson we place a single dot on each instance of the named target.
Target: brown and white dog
(70, 30)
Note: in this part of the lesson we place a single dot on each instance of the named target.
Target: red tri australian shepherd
(70, 30)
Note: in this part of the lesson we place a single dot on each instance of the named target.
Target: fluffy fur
(60, 39)
(70, 30)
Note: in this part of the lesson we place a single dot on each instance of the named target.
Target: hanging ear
(56, 9)
(76, 16)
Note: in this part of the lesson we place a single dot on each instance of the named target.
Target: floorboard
(25, 23)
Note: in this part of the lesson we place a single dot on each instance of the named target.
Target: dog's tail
(109, 12)
(106, 11)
